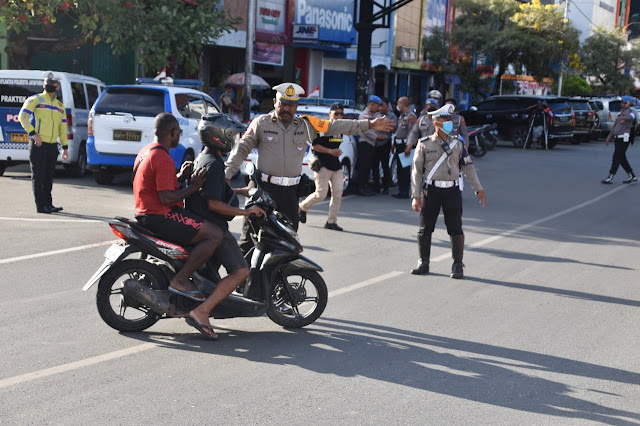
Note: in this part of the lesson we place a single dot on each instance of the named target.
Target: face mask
(50, 88)
(447, 127)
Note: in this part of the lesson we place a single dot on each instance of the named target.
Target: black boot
(457, 248)
(424, 248)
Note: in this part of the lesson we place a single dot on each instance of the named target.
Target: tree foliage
(606, 56)
(573, 85)
(163, 31)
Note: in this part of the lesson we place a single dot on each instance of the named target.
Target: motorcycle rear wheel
(113, 306)
(309, 300)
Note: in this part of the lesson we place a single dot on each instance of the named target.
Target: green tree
(163, 31)
(573, 85)
(605, 56)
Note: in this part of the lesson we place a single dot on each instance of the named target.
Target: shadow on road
(477, 372)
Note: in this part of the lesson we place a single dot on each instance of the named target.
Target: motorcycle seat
(137, 227)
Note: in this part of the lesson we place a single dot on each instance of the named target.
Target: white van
(78, 94)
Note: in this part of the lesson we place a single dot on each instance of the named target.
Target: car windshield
(580, 105)
(136, 101)
(561, 107)
(594, 106)
(14, 91)
(615, 106)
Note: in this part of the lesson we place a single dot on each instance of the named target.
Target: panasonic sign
(333, 18)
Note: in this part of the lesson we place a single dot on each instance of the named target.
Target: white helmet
(435, 94)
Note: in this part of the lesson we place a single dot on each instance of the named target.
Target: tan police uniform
(406, 123)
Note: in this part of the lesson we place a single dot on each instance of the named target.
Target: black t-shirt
(538, 117)
(215, 188)
(327, 160)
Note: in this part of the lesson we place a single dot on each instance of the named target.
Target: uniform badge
(269, 138)
(300, 148)
(290, 91)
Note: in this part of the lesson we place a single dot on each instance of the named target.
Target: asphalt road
(542, 330)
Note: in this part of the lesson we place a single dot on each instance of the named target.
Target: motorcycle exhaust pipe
(157, 301)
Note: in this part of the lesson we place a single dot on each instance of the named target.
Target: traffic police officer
(621, 134)
(44, 118)
(405, 123)
(282, 138)
(436, 167)
(459, 125)
(367, 146)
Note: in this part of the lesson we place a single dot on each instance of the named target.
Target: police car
(77, 93)
(319, 107)
(121, 123)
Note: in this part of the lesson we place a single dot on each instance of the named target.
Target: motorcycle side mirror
(473, 108)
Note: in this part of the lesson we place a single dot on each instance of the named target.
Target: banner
(268, 53)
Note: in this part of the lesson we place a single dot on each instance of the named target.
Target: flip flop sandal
(188, 294)
(201, 327)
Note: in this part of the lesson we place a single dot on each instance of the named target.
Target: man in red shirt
(160, 207)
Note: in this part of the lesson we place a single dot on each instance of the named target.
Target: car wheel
(2, 169)
(346, 172)
(79, 167)
(104, 177)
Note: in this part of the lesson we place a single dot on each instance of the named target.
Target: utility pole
(248, 58)
(566, 13)
(365, 27)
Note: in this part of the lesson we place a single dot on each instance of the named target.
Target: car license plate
(127, 135)
(18, 137)
(564, 119)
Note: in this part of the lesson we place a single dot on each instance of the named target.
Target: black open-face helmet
(217, 131)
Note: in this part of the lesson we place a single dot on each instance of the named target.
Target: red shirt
(157, 172)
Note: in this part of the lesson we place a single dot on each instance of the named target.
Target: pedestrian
(537, 124)
(459, 125)
(436, 169)
(226, 100)
(327, 151)
(281, 138)
(366, 147)
(382, 151)
(159, 203)
(44, 118)
(406, 121)
(215, 203)
(621, 135)
(435, 94)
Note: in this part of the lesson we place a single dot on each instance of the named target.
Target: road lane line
(75, 365)
(26, 219)
(54, 252)
(366, 283)
(532, 224)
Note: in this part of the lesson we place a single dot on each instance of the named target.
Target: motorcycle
(477, 144)
(491, 136)
(134, 279)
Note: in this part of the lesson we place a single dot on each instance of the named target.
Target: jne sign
(305, 32)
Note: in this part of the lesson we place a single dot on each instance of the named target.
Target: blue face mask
(447, 127)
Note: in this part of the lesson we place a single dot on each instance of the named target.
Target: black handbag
(315, 164)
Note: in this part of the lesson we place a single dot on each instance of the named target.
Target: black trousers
(620, 157)
(447, 199)
(286, 198)
(381, 156)
(43, 164)
(404, 173)
(366, 153)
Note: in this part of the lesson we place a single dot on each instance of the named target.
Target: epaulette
(295, 121)
(274, 119)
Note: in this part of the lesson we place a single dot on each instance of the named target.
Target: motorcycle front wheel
(303, 304)
(115, 308)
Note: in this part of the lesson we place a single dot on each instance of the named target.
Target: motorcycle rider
(159, 206)
(217, 202)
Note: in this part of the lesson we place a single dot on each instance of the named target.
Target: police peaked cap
(446, 111)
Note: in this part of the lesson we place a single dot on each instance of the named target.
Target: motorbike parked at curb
(476, 145)
(134, 279)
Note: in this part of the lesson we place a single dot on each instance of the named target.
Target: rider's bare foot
(182, 285)
(203, 321)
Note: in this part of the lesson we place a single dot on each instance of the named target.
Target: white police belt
(281, 180)
(443, 183)
(400, 141)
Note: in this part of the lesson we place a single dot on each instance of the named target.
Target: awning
(384, 60)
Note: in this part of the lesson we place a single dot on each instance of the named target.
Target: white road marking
(25, 219)
(54, 252)
(146, 346)
(362, 284)
(532, 224)
(75, 365)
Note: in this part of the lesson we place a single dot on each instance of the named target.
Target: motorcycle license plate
(114, 252)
